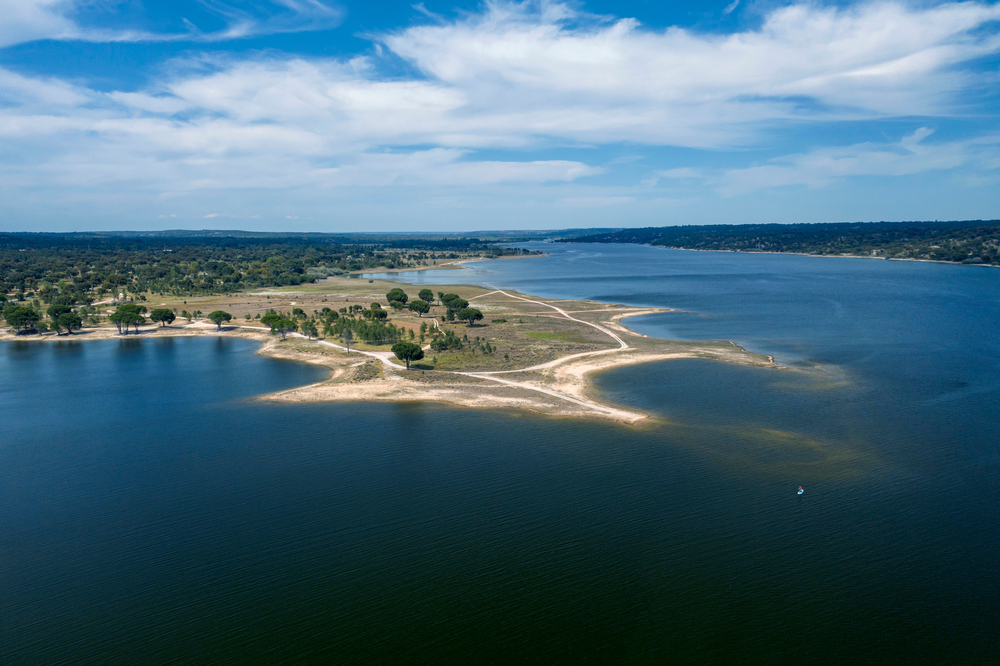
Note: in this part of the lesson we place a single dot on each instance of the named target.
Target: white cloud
(589, 202)
(30, 20)
(617, 81)
(516, 76)
(819, 168)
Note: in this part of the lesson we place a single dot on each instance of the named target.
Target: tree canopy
(127, 315)
(421, 307)
(471, 315)
(426, 295)
(21, 317)
(454, 302)
(407, 351)
(163, 316)
(82, 266)
(68, 321)
(398, 295)
(217, 317)
(279, 324)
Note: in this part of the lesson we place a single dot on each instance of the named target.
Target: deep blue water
(152, 512)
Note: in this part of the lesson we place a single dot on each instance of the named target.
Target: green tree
(407, 351)
(454, 302)
(348, 337)
(57, 309)
(22, 318)
(471, 315)
(70, 321)
(420, 307)
(127, 315)
(163, 316)
(309, 328)
(397, 294)
(426, 295)
(284, 326)
(376, 313)
(217, 317)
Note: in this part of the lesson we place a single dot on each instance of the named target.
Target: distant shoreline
(803, 254)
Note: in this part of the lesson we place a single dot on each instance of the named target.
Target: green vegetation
(561, 337)
(420, 307)
(127, 315)
(397, 295)
(446, 341)
(471, 315)
(279, 323)
(309, 328)
(407, 351)
(82, 267)
(163, 316)
(218, 317)
(971, 242)
(369, 332)
(67, 321)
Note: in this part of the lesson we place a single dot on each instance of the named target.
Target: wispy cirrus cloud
(32, 20)
(821, 167)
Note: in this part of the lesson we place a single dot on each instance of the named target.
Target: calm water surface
(152, 512)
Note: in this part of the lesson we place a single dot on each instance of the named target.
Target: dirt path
(558, 361)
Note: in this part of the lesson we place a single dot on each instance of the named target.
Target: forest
(80, 268)
(966, 242)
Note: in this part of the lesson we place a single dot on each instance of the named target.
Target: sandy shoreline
(561, 386)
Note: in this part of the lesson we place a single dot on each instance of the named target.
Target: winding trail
(583, 402)
(558, 361)
(385, 358)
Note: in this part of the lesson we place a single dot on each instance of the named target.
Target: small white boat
(801, 490)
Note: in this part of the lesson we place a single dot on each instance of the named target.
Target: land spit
(541, 353)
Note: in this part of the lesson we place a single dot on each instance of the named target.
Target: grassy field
(530, 334)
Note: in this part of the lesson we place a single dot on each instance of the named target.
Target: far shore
(807, 254)
(448, 265)
(553, 348)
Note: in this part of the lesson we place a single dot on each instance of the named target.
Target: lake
(151, 511)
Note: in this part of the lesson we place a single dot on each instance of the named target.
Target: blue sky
(401, 116)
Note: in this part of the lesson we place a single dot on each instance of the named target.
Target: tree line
(83, 267)
(966, 242)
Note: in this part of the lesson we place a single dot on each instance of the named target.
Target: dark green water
(151, 513)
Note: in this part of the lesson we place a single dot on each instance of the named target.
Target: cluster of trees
(446, 341)
(458, 308)
(127, 315)
(279, 323)
(83, 266)
(969, 242)
(370, 332)
(22, 318)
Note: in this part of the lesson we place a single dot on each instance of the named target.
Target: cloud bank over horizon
(533, 114)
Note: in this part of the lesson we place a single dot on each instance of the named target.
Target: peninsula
(515, 350)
